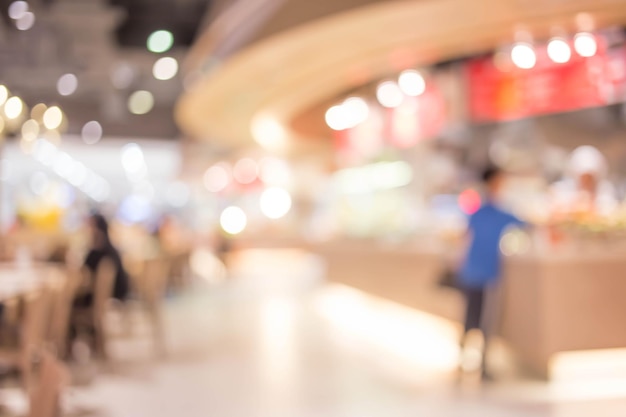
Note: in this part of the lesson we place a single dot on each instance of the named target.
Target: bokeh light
(37, 112)
(389, 94)
(160, 41)
(523, 56)
(470, 201)
(165, 68)
(246, 171)
(4, 94)
(91, 132)
(13, 107)
(412, 83)
(25, 22)
(30, 130)
(132, 158)
(274, 171)
(140, 102)
(217, 178)
(67, 84)
(559, 51)
(275, 202)
(585, 44)
(17, 9)
(233, 220)
(53, 118)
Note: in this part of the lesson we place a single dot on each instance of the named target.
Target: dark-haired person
(101, 248)
(481, 269)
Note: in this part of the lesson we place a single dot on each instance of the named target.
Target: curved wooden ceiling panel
(275, 79)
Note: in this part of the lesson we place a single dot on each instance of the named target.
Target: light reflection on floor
(276, 341)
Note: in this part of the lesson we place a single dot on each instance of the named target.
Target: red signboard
(495, 94)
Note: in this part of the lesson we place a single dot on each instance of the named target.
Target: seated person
(101, 248)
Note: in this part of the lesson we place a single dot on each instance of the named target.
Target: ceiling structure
(251, 88)
(99, 41)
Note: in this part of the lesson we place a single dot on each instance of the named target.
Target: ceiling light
(13, 107)
(140, 102)
(4, 94)
(30, 130)
(523, 56)
(559, 51)
(17, 9)
(275, 203)
(52, 118)
(165, 68)
(233, 220)
(412, 83)
(585, 44)
(91, 132)
(389, 94)
(160, 41)
(26, 21)
(67, 84)
(38, 111)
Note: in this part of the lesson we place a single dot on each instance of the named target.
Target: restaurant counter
(550, 303)
(563, 302)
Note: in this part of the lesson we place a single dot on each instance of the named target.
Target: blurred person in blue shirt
(481, 269)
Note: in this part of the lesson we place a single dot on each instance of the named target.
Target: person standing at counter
(481, 268)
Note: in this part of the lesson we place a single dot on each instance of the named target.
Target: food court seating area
(40, 326)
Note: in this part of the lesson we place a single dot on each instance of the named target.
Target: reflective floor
(275, 340)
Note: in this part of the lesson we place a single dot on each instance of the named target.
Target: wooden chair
(31, 337)
(93, 317)
(150, 284)
(45, 397)
(64, 290)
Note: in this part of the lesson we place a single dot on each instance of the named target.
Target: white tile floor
(268, 343)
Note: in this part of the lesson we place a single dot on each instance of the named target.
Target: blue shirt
(483, 261)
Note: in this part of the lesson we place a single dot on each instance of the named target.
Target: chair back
(33, 329)
(45, 398)
(103, 289)
(64, 290)
(152, 281)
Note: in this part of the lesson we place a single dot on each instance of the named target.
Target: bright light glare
(246, 171)
(26, 21)
(352, 112)
(412, 83)
(233, 220)
(559, 51)
(217, 178)
(523, 56)
(17, 9)
(140, 102)
(160, 41)
(13, 108)
(269, 133)
(67, 84)
(132, 158)
(4, 94)
(165, 68)
(275, 202)
(91, 132)
(30, 130)
(389, 94)
(334, 118)
(52, 118)
(585, 44)
(370, 178)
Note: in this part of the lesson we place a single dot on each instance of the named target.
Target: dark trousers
(475, 298)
